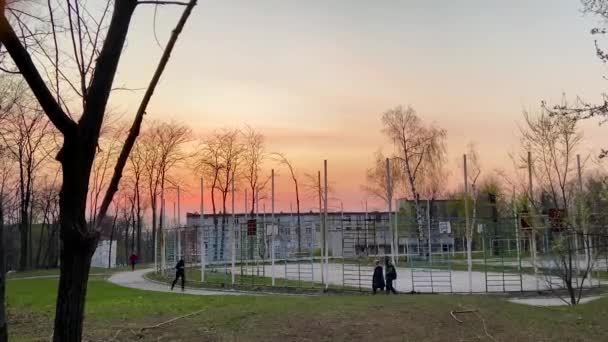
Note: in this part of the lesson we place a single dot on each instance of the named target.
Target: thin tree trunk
(112, 239)
(23, 231)
(40, 240)
(154, 212)
(3, 324)
(298, 218)
(138, 222)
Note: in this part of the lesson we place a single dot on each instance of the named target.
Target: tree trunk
(75, 266)
(470, 262)
(79, 243)
(139, 223)
(153, 204)
(3, 325)
(40, 240)
(112, 239)
(23, 232)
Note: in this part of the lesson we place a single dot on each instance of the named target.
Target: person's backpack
(393, 272)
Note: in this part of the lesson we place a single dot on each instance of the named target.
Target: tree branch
(147, 2)
(26, 66)
(136, 126)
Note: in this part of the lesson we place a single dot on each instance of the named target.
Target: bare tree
(376, 182)
(28, 136)
(472, 173)
(163, 150)
(47, 202)
(96, 50)
(282, 159)
(4, 174)
(230, 158)
(109, 146)
(208, 164)
(553, 141)
(420, 150)
(136, 172)
(254, 156)
(5, 108)
(580, 108)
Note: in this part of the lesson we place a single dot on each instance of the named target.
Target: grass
(113, 311)
(54, 272)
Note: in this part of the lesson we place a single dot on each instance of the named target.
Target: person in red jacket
(133, 260)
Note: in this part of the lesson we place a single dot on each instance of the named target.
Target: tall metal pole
(584, 228)
(468, 232)
(178, 243)
(233, 270)
(272, 231)
(322, 227)
(428, 223)
(179, 235)
(517, 242)
(395, 224)
(325, 227)
(389, 197)
(202, 229)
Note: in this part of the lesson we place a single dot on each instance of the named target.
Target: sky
(315, 76)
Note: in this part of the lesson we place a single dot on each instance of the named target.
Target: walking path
(136, 280)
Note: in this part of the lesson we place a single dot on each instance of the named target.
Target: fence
(430, 257)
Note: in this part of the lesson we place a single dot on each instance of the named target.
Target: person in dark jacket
(391, 275)
(378, 279)
(180, 272)
(133, 260)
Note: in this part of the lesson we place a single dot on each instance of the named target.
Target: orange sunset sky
(315, 76)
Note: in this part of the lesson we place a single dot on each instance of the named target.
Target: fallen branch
(485, 329)
(116, 335)
(453, 314)
(476, 311)
(170, 321)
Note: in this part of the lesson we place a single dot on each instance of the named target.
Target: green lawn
(101, 271)
(113, 310)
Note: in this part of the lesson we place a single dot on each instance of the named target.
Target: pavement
(136, 280)
(549, 301)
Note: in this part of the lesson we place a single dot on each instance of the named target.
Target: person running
(378, 278)
(133, 260)
(391, 275)
(180, 272)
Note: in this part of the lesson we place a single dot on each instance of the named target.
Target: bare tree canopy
(376, 182)
(420, 151)
(78, 47)
(581, 108)
(254, 156)
(553, 141)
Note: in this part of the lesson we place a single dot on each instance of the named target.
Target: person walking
(180, 272)
(391, 275)
(378, 278)
(133, 260)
